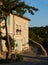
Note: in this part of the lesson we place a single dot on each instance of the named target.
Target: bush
(19, 57)
(5, 61)
(45, 44)
(12, 41)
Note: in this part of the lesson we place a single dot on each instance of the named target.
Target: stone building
(18, 29)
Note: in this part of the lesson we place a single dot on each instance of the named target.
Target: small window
(8, 20)
(16, 26)
(18, 29)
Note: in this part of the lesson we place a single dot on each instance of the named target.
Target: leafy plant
(19, 57)
(12, 41)
(45, 44)
(39, 34)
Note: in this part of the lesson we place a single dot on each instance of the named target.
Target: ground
(27, 63)
(31, 57)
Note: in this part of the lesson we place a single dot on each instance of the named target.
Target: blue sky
(41, 17)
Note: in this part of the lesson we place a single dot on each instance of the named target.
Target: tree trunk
(7, 41)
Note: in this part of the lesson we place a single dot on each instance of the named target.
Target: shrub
(12, 41)
(19, 57)
(5, 61)
(45, 44)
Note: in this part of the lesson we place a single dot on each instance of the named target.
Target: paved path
(27, 63)
(28, 60)
(36, 48)
(35, 59)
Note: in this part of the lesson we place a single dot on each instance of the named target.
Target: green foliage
(9, 6)
(39, 34)
(19, 57)
(16, 5)
(45, 44)
(12, 41)
(5, 61)
(41, 31)
(33, 36)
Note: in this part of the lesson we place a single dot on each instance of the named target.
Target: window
(17, 26)
(18, 29)
(8, 20)
(18, 44)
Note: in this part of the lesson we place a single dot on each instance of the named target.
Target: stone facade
(18, 30)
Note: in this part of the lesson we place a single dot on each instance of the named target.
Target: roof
(21, 16)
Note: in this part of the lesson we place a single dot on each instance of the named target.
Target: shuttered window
(8, 20)
(18, 29)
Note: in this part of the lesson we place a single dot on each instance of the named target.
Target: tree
(45, 44)
(18, 6)
(9, 6)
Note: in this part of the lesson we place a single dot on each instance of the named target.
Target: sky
(41, 17)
